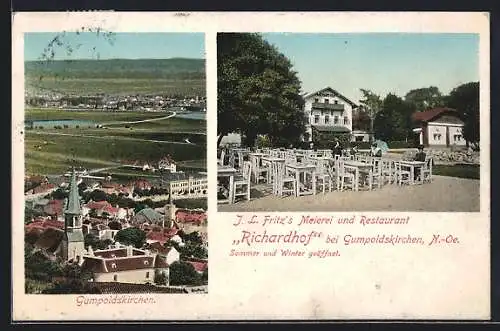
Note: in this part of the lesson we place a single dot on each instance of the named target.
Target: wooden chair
(375, 176)
(323, 177)
(388, 171)
(402, 175)
(220, 161)
(282, 183)
(426, 171)
(241, 184)
(348, 177)
(260, 173)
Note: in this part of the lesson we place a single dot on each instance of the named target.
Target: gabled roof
(149, 214)
(335, 92)
(431, 114)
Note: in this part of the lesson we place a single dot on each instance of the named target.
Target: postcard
(337, 162)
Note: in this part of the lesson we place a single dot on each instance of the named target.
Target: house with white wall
(439, 127)
(329, 111)
(124, 265)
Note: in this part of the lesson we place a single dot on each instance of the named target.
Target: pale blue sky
(125, 45)
(381, 62)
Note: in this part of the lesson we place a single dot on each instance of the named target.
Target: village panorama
(115, 173)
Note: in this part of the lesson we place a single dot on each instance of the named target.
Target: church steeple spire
(73, 205)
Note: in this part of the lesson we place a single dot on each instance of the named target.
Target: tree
(38, 267)
(361, 120)
(59, 194)
(465, 99)
(131, 236)
(160, 278)
(183, 273)
(371, 104)
(393, 121)
(98, 195)
(258, 92)
(96, 243)
(424, 98)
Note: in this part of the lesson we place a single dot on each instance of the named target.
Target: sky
(381, 62)
(125, 45)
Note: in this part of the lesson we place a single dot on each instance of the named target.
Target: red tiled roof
(429, 115)
(93, 264)
(198, 266)
(185, 216)
(43, 188)
(130, 263)
(157, 236)
(103, 206)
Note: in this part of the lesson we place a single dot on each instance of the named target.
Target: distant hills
(174, 68)
(175, 76)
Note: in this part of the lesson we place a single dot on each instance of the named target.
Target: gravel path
(444, 194)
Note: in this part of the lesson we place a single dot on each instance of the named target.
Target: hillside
(116, 76)
(180, 68)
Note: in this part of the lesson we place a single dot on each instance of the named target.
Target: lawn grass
(471, 171)
(95, 151)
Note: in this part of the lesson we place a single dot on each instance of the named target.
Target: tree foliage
(131, 236)
(183, 273)
(371, 105)
(258, 92)
(160, 278)
(424, 98)
(393, 121)
(465, 99)
(95, 243)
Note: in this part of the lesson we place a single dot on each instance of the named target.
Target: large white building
(329, 111)
(439, 127)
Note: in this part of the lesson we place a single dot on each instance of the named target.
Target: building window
(115, 278)
(146, 262)
(336, 102)
(113, 265)
(346, 121)
(316, 99)
(331, 113)
(336, 120)
(327, 101)
(457, 137)
(437, 136)
(316, 119)
(327, 119)
(147, 274)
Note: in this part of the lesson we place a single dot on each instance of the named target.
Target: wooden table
(412, 165)
(361, 166)
(303, 169)
(227, 171)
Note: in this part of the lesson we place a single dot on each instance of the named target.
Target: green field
(49, 152)
(471, 171)
(119, 86)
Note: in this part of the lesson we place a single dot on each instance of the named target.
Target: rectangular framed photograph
(341, 157)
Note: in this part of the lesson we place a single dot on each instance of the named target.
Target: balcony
(328, 106)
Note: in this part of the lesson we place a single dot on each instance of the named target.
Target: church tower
(73, 242)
